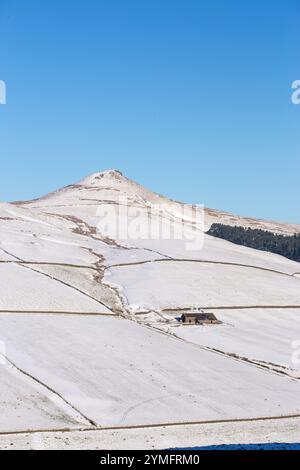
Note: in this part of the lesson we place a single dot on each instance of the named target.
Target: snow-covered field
(120, 373)
(269, 337)
(267, 433)
(24, 405)
(40, 293)
(88, 337)
(173, 284)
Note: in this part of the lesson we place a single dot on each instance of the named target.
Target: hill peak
(95, 179)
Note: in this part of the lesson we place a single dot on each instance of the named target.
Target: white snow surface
(39, 293)
(63, 271)
(270, 433)
(25, 406)
(173, 284)
(266, 336)
(120, 373)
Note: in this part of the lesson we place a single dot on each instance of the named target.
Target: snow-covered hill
(92, 279)
(108, 186)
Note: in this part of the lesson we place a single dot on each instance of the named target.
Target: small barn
(194, 318)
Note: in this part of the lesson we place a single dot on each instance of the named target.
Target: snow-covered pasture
(26, 406)
(173, 284)
(117, 372)
(269, 336)
(21, 288)
(120, 372)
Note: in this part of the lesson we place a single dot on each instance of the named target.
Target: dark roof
(200, 316)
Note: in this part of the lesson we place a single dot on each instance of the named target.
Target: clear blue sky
(190, 98)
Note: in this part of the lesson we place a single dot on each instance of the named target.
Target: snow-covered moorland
(89, 335)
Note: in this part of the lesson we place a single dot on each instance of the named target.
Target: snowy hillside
(92, 280)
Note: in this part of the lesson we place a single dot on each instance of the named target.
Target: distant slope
(225, 218)
(285, 245)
